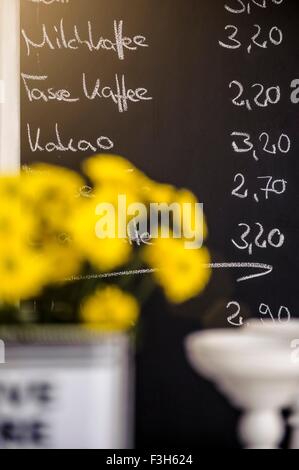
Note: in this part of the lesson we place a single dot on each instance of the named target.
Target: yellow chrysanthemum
(10, 187)
(103, 253)
(184, 196)
(106, 169)
(110, 194)
(23, 272)
(181, 272)
(157, 192)
(15, 223)
(51, 192)
(62, 261)
(110, 309)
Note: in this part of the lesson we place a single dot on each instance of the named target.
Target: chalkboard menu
(197, 93)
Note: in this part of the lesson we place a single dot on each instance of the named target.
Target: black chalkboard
(216, 111)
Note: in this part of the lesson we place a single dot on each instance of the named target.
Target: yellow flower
(184, 196)
(23, 272)
(157, 192)
(123, 176)
(16, 221)
(112, 170)
(110, 309)
(62, 260)
(181, 272)
(10, 187)
(22, 269)
(109, 251)
(52, 192)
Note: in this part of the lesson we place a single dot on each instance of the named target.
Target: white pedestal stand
(256, 373)
(294, 423)
(288, 334)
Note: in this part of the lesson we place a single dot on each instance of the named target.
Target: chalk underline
(265, 269)
(134, 272)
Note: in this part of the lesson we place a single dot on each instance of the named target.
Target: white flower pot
(65, 388)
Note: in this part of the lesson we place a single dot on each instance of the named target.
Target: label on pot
(74, 407)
